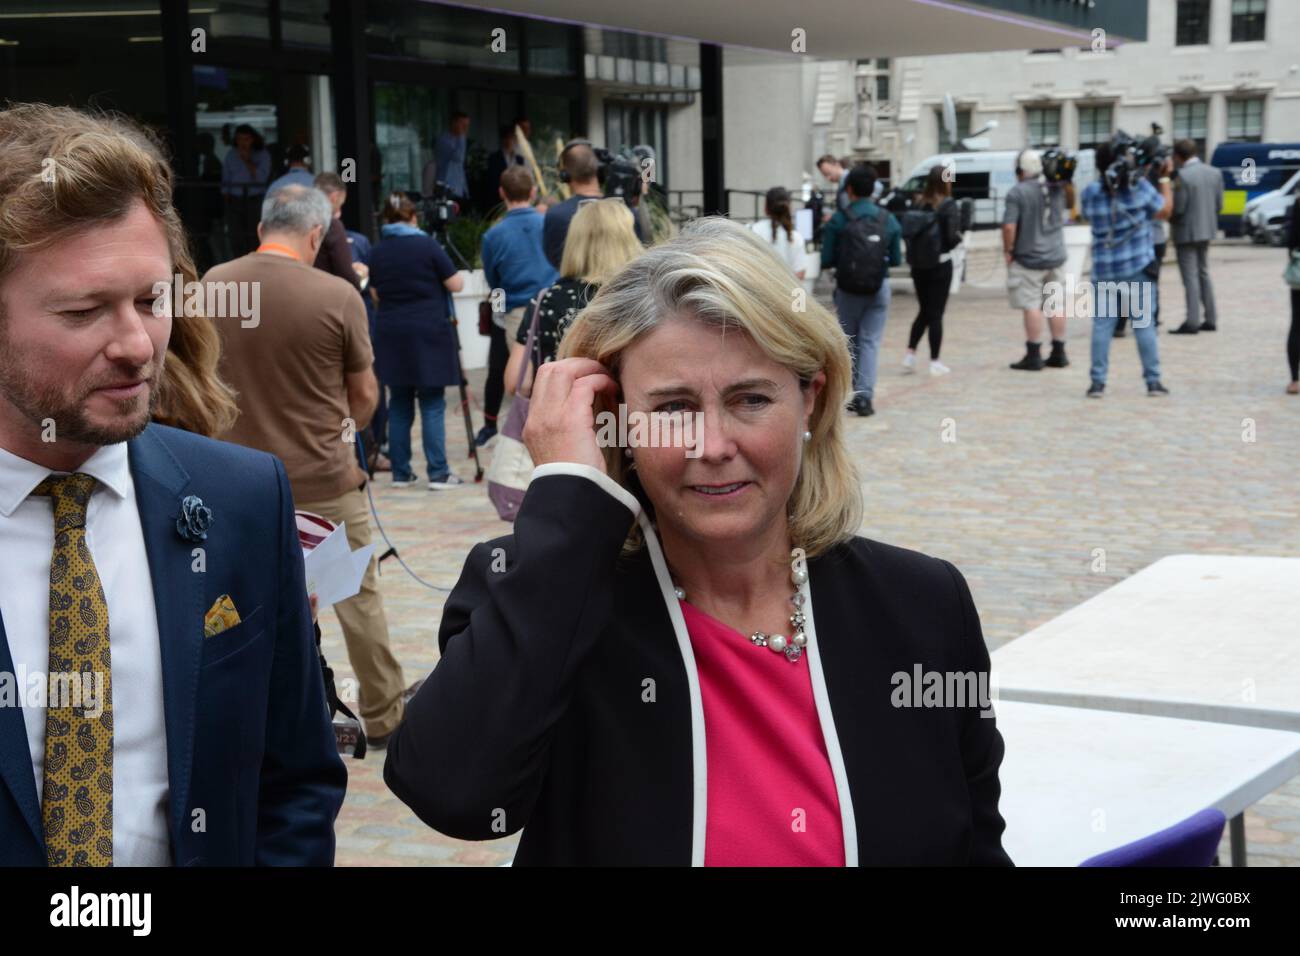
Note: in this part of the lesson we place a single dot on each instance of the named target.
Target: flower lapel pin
(195, 519)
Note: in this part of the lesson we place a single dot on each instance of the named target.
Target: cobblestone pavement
(1036, 480)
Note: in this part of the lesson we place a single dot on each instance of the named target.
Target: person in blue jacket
(516, 269)
(415, 341)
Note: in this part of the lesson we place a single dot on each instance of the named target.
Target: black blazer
(536, 716)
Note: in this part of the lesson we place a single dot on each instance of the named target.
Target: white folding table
(1202, 637)
(1077, 781)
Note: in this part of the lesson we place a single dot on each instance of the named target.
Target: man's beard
(38, 402)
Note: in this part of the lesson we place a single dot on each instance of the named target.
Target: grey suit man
(1198, 196)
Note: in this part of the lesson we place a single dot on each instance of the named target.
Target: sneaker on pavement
(1096, 390)
(485, 435)
(938, 368)
(410, 481)
(1156, 390)
(909, 363)
(442, 484)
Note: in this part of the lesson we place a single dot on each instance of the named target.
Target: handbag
(1292, 273)
(512, 467)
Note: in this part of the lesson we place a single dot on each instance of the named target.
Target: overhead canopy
(853, 29)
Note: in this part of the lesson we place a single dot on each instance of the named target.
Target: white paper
(334, 573)
(804, 223)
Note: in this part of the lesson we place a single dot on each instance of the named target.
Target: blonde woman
(687, 655)
(601, 240)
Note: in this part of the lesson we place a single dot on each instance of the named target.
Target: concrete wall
(766, 123)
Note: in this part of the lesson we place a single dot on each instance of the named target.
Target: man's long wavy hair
(64, 170)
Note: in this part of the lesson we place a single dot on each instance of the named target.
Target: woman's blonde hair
(63, 170)
(722, 274)
(601, 241)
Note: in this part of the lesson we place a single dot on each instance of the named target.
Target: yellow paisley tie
(77, 805)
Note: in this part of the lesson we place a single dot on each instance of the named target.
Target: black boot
(1057, 359)
(1033, 360)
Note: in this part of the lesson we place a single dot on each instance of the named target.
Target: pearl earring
(807, 436)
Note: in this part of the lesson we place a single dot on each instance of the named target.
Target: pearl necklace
(793, 645)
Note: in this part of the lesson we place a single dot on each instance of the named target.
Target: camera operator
(580, 168)
(1120, 206)
(1153, 156)
(1033, 240)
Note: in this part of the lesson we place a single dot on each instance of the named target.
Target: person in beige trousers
(302, 368)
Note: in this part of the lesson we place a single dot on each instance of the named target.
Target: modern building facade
(726, 102)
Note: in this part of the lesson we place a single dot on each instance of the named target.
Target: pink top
(771, 794)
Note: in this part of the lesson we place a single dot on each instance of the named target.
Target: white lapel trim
(699, 750)
(848, 824)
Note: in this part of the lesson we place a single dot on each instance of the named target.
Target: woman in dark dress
(415, 342)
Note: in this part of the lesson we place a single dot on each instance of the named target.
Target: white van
(1264, 219)
(985, 177)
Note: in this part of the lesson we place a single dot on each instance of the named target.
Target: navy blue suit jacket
(249, 741)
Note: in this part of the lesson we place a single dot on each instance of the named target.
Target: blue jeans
(1140, 311)
(862, 317)
(401, 415)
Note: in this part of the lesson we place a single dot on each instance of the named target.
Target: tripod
(440, 233)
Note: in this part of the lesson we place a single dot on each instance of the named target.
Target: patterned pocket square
(222, 616)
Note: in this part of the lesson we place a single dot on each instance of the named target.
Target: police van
(1265, 219)
(1251, 170)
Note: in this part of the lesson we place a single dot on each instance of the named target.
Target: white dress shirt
(116, 541)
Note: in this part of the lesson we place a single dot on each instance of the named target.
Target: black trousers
(495, 388)
(1293, 338)
(932, 295)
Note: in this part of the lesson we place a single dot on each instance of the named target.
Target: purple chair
(1194, 842)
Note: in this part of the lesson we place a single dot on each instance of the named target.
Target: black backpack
(860, 259)
(921, 233)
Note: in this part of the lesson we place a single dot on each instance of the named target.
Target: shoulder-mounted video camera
(1123, 172)
(1134, 160)
(1058, 165)
(619, 174)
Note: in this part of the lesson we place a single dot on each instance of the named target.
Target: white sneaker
(909, 363)
(938, 368)
(451, 481)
